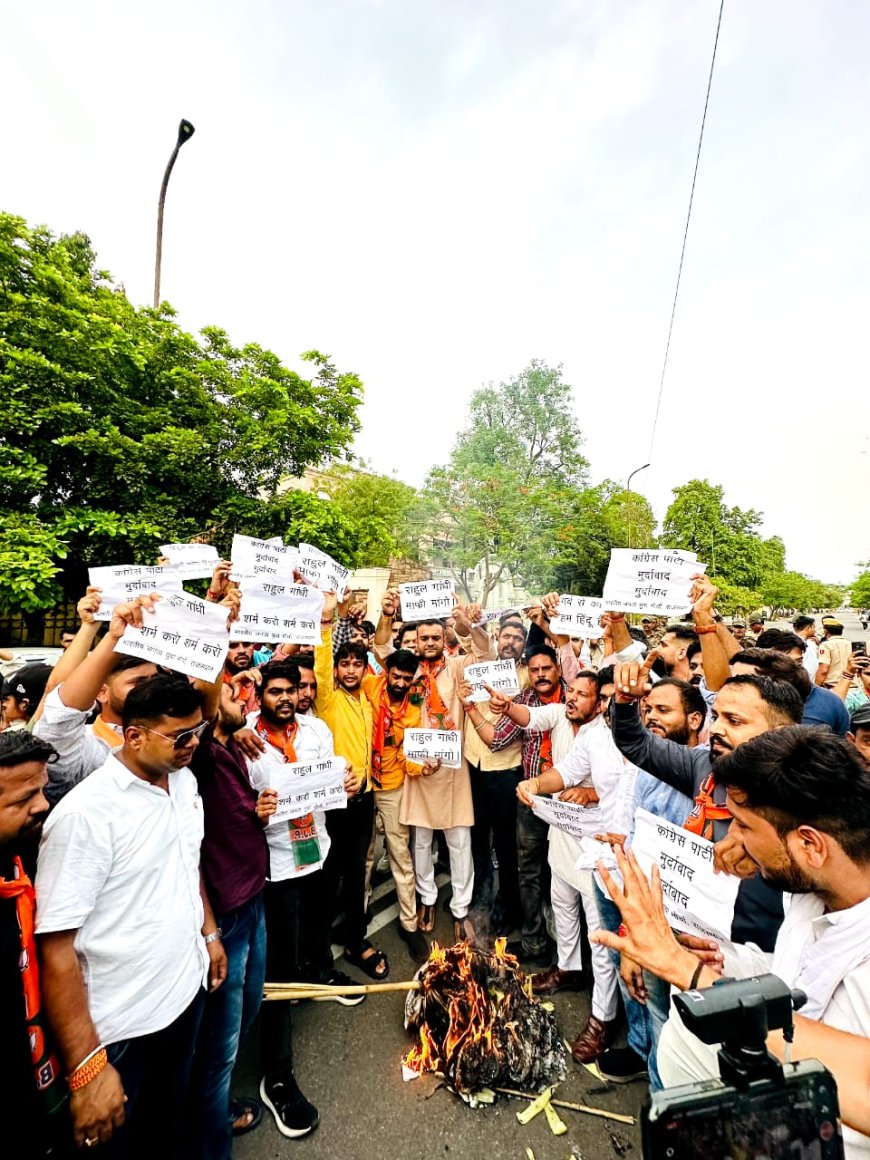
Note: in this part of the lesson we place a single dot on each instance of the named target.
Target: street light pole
(628, 493)
(185, 132)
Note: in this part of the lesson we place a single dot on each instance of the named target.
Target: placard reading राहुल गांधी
(304, 787)
(119, 583)
(321, 571)
(696, 900)
(254, 559)
(426, 599)
(578, 616)
(444, 745)
(191, 561)
(652, 580)
(499, 675)
(280, 612)
(183, 633)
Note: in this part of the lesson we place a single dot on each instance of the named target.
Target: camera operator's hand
(730, 857)
(705, 949)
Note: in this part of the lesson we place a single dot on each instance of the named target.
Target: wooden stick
(590, 1111)
(323, 990)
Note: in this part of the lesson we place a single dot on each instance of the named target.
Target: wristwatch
(214, 936)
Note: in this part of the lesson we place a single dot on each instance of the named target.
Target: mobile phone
(859, 647)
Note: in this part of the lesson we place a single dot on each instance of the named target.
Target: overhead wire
(686, 233)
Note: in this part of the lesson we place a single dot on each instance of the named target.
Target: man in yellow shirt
(343, 706)
(392, 715)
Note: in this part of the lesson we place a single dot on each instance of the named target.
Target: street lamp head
(185, 132)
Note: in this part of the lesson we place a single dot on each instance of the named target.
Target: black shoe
(340, 979)
(622, 1065)
(294, 1115)
(417, 944)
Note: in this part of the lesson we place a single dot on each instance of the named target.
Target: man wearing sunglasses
(121, 905)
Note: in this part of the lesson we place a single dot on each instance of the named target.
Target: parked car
(29, 655)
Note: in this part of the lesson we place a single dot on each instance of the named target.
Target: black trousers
(344, 872)
(494, 793)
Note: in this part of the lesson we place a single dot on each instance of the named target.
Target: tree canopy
(118, 428)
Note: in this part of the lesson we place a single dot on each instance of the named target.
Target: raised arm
(713, 654)
(324, 664)
(384, 631)
(664, 759)
(79, 690)
(82, 644)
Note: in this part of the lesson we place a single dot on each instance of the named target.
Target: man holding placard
(442, 800)
(297, 942)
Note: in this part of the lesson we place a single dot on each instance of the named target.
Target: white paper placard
(650, 580)
(321, 570)
(184, 633)
(426, 599)
(499, 675)
(254, 559)
(576, 820)
(578, 616)
(278, 611)
(487, 615)
(191, 561)
(422, 745)
(304, 787)
(119, 583)
(696, 900)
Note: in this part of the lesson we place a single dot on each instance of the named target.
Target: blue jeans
(637, 1014)
(229, 1012)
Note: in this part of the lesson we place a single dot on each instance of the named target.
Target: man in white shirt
(805, 628)
(800, 803)
(127, 937)
(297, 937)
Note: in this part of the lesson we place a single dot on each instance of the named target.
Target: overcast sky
(436, 193)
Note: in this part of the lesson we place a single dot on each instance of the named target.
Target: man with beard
(127, 937)
(30, 1076)
(393, 713)
(240, 659)
(546, 687)
(307, 694)
(344, 707)
(745, 707)
(104, 677)
(777, 655)
(494, 777)
(594, 774)
(800, 803)
(442, 800)
(298, 918)
(235, 862)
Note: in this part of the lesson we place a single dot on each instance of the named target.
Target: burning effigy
(478, 1023)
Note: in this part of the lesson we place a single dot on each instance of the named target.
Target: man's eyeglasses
(182, 739)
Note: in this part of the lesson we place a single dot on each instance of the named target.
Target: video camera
(759, 1107)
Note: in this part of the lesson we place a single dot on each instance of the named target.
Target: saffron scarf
(705, 811)
(426, 690)
(45, 1065)
(304, 843)
(113, 737)
(388, 721)
(547, 738)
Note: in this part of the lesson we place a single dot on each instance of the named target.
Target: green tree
(497, 499)
(382, 509)
(118, 428)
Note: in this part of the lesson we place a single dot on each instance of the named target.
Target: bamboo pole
(590, 1111)
(324, 991)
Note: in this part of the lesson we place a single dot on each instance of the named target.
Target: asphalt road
(348, 1063)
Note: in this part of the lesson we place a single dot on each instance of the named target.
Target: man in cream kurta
(440, 800)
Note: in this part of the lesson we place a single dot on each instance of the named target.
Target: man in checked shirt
(546, 686)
